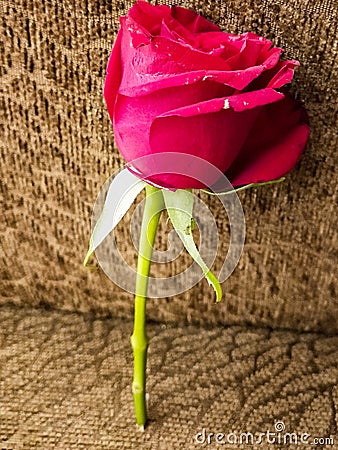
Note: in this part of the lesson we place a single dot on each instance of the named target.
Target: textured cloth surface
(57, 150)
(66, 383)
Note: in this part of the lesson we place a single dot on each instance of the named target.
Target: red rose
(176, 83)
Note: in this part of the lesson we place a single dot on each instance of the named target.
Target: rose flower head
(177, 84)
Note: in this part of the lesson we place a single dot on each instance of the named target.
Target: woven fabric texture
(57, 149)
(66, 384)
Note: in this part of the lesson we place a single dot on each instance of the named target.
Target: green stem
(152, 211)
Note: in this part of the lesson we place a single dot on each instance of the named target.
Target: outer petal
(274, 145)
(218, 42)
(238, 80)
(275, 77)
(214, 130)
(173, 30)
(253, 52)
(114, 75)
(133, 116)
(282, 74)
(192, 21)
(148, 16)
(239, 103)
(216, 137)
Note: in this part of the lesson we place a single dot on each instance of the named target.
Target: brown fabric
(57, 150)
(65, 383)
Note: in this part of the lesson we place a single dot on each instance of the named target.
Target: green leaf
(122, 191)
(179, 205)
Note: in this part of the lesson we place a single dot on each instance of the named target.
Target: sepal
(122, 191)
(179, 205)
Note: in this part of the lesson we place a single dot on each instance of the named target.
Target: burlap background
(57, 150)
(66, 379)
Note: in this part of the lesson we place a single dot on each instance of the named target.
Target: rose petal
(192, 21)
(255, 37)
(114, 74)
(149, 16)
(133, 35)
(165, 57)
(209, 130)
(239, 103)
(133, 116)
(176, 32)
(238, 80)
(274, 144)
(284, 74)
(216, 138)
(214, 130)
(249, 100)
(276, 77)
(253, 52)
